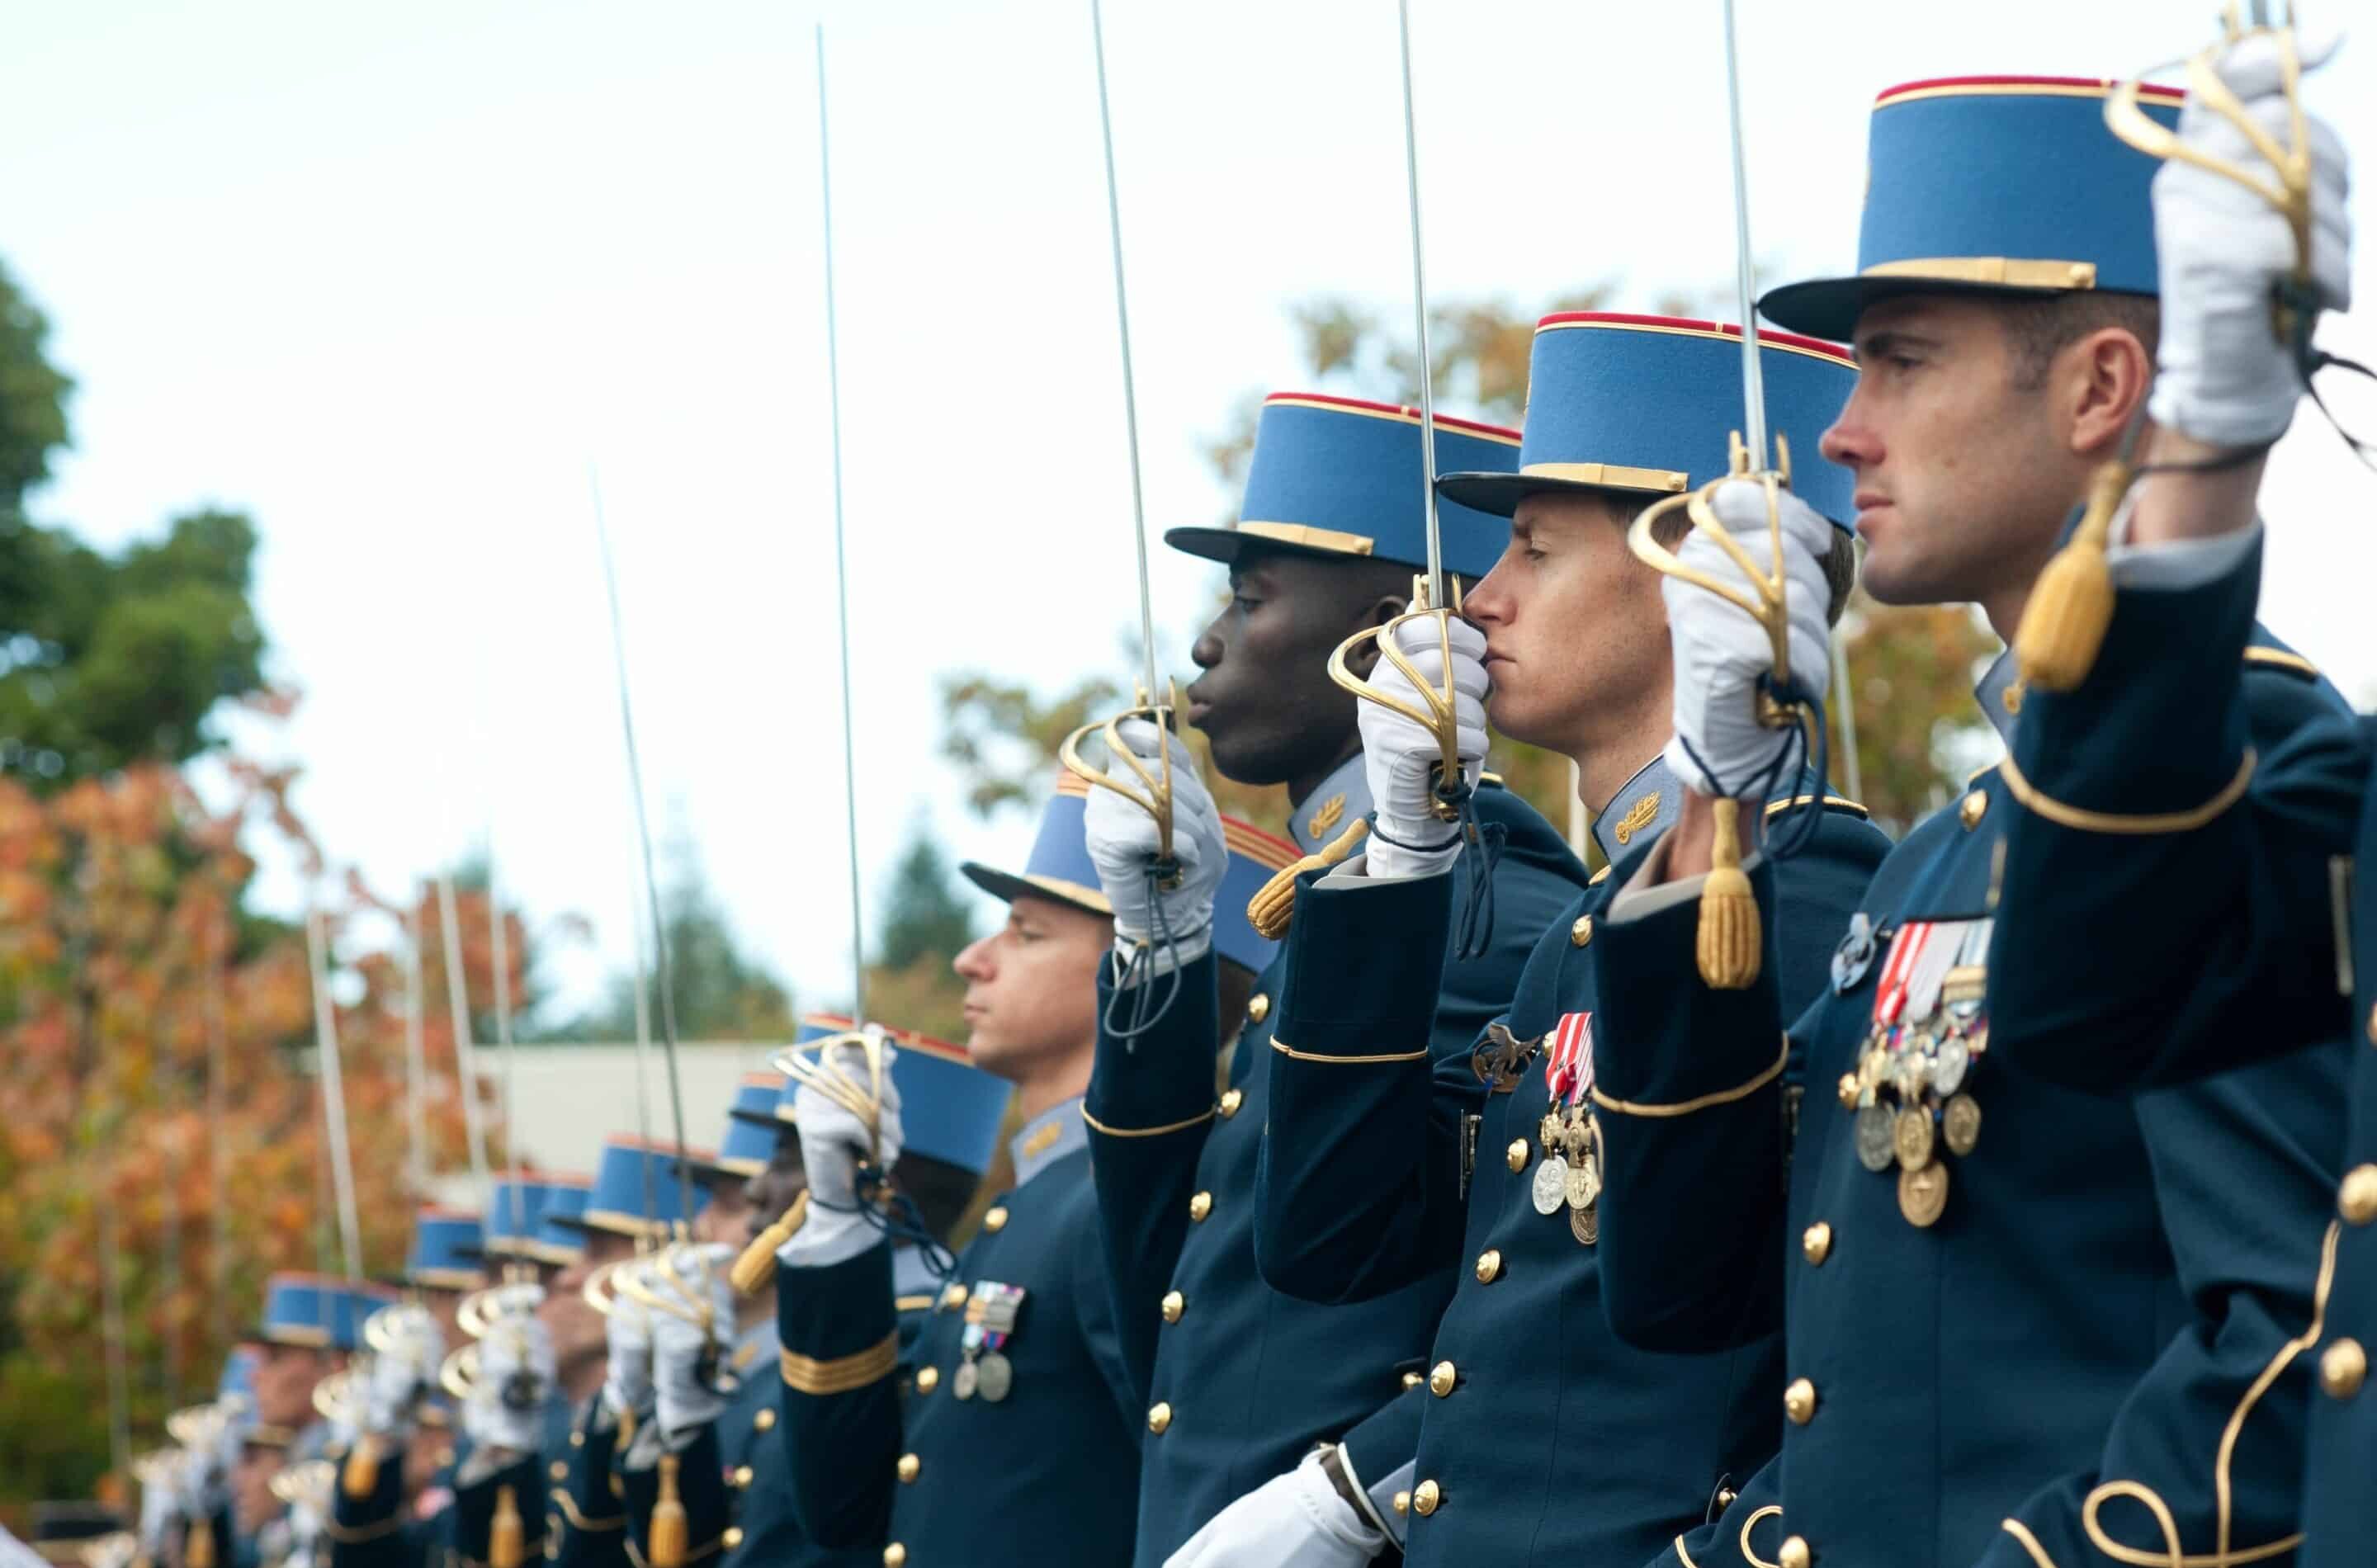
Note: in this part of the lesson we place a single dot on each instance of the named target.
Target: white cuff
(826, 1238)
(1378, 1505)
(1354, 872)
(1645, 895)
(2182, 563)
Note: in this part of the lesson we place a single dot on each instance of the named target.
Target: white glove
(400, 1372)
(1297, 1520)
(1122, 840)
(506, 1409)
(204, 1480)
(159, 1509)
(2224, 377)
(1721, 652)
(833, 1145)
(680, 1345)
(1400, 757)
(628, 1335)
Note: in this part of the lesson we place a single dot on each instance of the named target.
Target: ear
(2105, 376)
(1381, 610)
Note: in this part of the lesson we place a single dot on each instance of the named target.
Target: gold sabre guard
(1441, 720)
(1730, 943)
(1155, 794)
(2063, 626)
(812, 1066)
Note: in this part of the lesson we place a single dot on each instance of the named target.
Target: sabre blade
(1753, 378)
(1437, 597)
(466, 1054)
(1151, 693)
(644, 847)
(840, 549)
(334, 1095)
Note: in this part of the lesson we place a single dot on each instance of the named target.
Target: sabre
(1435, 597)
(416, 1070)
(500, 943)
(1154, 794)
(334, 1097)
(644, 845)
(757, 1265)
(466, 1054)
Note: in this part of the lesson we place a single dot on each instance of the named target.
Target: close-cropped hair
(2038, 329)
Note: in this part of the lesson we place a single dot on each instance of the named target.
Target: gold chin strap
(1154, 794)
(1730, 944)
(1439, 717)
(2063, 626)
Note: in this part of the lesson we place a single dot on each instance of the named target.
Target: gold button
(1441, 1377)
(1199, 1206)
(2343, 1367)
(2373, 1025)
(1976, 806)
(928, 1380)
(1231, 1100)
(1410, 1380)
(908, 1469)
(2356, 1199)
(955, 1296)
(1816, 1242)
(895, 1556)
(1427, 1498)
(1257, 1007)
(1489, 1265)
(1799, 1402)
(733, 1538)
(765, 1420)
(1796, 1553)
(619, 1487)
(1402, 1502)
(742, 1476)
(577, 1439)
(1159, 1415)
(1174, 1305)
(1515, 1156)
(995, 1219)
(558, 1471)
(1581, 932)
(1725, 1496)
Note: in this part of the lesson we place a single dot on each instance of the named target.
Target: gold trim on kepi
(1305, 537)
(300, 1336)
(1993, 272)
(1007, 887)
(1609, 476)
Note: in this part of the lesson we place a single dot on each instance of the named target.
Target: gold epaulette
(841, 1375)
(2279, 659)
(1832, 803)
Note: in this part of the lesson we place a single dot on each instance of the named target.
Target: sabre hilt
(1154, 794)
(1449, 780)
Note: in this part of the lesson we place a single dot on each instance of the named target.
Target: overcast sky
(393, 278)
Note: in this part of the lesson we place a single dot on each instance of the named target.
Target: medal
(1911, 1138)
(1876, 1139)
(1584, 1183)
(1960, 1124)
(994, 1377)
(1923, 1194)
(962, 1384)
(1550, 1184)
(1855, 955)
(1585, 1225)
(1949, 1063)
(1499, 1061)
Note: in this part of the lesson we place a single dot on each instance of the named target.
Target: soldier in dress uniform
(1018, 1444)
(1239, 1380)
(2009, 1311)
(2224, 874)
(1381, 1148)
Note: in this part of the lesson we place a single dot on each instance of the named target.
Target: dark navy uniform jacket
(2103, 1284)
(2222, 910)
(1236, 1379)
(1543, 1438)
(1047, 1475)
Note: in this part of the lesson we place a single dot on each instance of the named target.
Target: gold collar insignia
(1331, 809)
(1637, 817)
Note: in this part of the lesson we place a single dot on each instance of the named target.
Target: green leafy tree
(32, 398)
(719, 991)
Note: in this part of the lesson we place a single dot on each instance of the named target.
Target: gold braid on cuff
(1181, 1126)
(1284, 1048)
(1686, 1107)
(2081, 820)
(355, 1535)
(842, 1374)
(577, 1521)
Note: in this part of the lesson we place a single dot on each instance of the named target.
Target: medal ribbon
(1941, 947)
(1568, 1068)
(1890, 992)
